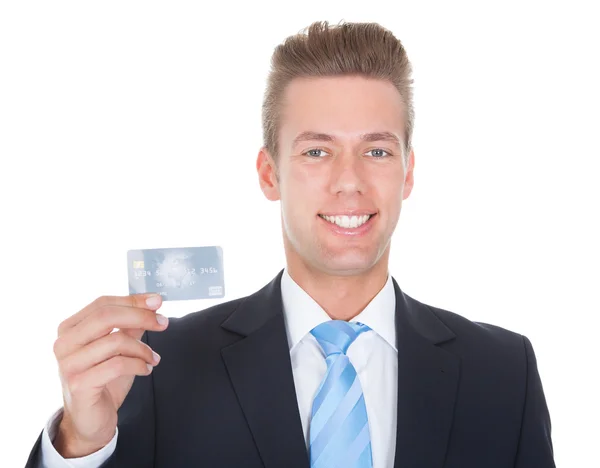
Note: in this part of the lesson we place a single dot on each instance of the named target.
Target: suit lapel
(427, 384)
(261, 374)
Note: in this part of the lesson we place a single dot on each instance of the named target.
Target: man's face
(346, 176)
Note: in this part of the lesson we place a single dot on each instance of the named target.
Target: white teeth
(347, 221)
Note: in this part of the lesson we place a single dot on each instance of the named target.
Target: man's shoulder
(479, 335)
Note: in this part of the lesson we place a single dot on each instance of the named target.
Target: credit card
(177, 274)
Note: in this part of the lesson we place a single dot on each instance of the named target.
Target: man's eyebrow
(373, 136)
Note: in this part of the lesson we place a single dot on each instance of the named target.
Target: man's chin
(348, 266)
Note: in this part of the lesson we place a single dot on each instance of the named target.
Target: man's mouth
(348, 222)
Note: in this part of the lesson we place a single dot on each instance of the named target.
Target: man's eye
(313, 151)
(379, 150)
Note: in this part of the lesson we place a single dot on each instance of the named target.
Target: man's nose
(347, 174)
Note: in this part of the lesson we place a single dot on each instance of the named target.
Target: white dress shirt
(373, 354)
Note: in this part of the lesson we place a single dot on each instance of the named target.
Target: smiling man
(330, 364)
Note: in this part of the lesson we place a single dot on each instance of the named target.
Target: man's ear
(409, 179)
(267, 175)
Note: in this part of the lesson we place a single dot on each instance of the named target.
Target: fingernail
(156, 357)
(161, 319)
(150, 367)
(154, 301)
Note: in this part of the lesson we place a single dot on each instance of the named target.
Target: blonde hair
(345, 49)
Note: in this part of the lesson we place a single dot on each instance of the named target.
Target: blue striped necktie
(339, 429)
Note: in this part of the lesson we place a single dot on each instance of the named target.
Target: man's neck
(341, 297)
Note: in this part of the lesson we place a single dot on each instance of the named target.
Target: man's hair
(346, 49)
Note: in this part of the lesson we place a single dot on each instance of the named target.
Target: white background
(127, 125)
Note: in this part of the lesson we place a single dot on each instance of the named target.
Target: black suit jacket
(469, 394)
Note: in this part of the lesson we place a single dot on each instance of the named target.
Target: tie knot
(336, 336)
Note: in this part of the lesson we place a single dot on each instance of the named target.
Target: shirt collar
(302, 313)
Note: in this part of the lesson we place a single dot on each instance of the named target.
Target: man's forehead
(327, 110)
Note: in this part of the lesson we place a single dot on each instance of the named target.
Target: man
(330, 364)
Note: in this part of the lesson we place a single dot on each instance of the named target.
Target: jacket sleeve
(52, 459)
(535, 442)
